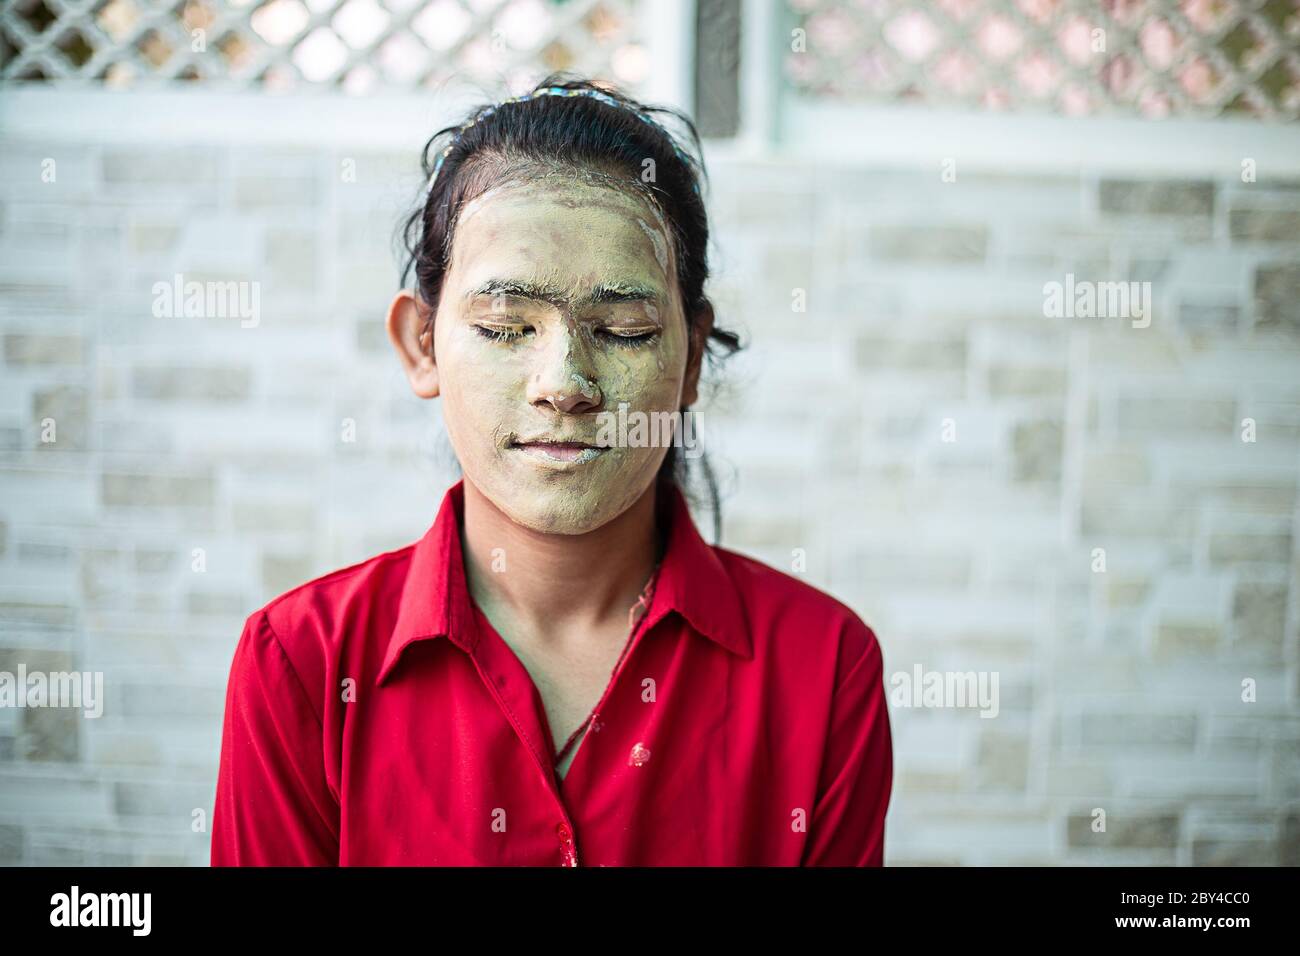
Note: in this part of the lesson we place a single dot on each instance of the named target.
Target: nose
(564, 376)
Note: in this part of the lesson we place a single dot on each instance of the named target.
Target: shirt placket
(516, 696)
(635, 616)
(518, 699)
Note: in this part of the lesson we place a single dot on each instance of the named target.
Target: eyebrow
(604, 293)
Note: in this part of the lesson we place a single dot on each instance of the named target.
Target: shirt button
(567, 856)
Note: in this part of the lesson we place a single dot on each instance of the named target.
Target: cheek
(477, 386)
(648, 377)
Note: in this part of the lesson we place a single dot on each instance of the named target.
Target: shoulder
(788, 615)
(313, 622)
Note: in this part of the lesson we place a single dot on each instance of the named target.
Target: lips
(573, 451)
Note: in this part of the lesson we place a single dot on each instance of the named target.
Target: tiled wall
(935, 450)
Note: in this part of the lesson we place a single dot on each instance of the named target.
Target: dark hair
(574, 133)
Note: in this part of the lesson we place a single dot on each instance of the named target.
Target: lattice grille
(1149, 57)
(359, 45)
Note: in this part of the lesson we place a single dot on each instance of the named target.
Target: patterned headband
(554, 91)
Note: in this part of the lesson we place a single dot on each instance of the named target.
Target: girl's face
(560, 303)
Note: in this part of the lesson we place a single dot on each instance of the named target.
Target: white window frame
(783, 124)
(775, 123)
(308, 117)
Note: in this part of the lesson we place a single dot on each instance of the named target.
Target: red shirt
(375, 717)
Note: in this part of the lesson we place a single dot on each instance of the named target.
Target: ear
(700, 329)
(410, 329)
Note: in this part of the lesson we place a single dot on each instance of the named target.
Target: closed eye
(632, 338)
(629, 338)
(501, 333)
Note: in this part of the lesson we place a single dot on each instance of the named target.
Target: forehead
(580, 232)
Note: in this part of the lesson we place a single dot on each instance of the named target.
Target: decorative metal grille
(358, 45)
(1146, 57)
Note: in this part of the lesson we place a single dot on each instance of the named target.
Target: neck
(557, 584)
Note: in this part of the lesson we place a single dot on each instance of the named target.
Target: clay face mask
(560, 304)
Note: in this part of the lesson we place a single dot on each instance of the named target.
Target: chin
(551, 523)
(562, 508)
(564, 514)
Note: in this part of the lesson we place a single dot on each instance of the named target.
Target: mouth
(566, 451)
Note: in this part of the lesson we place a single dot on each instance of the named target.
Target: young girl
(561, 672)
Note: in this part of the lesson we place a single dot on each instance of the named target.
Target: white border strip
(667, 30)
(813, 132)
(208, 116)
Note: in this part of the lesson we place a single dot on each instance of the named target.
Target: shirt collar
(435, 599)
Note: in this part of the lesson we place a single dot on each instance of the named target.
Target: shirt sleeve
(273, 803)
(847, 827)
